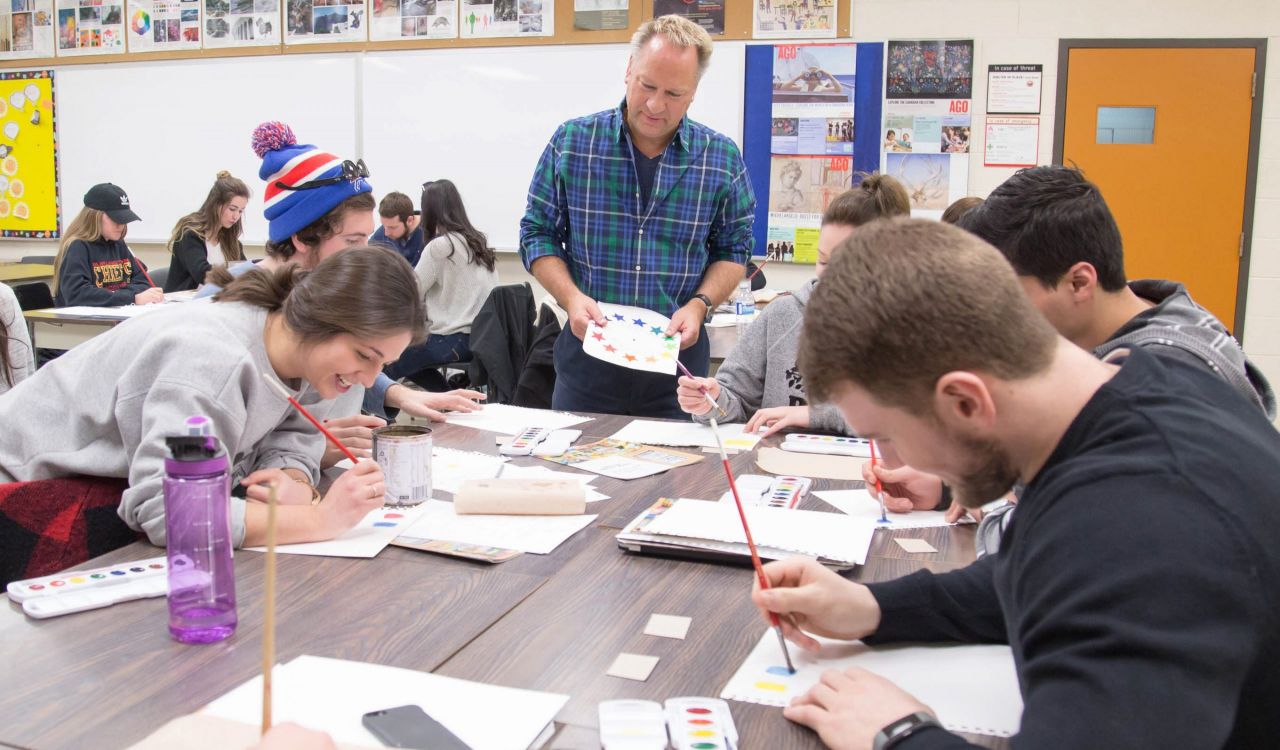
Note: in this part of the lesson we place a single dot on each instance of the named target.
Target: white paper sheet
(621, 467)
(682, 434)
(124, 312)
(537, 534)
(366, 539)
(634, 338)
(970, 688)
(510, 420)
(723, 320)
(450, 468)
(806, 532)
(860, 504)
(331, 695)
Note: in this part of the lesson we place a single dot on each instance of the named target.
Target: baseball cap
(111, 200)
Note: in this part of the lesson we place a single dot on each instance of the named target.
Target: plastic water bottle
(197, 509)
(744, 305)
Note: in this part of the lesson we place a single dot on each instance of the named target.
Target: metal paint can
(404, 453)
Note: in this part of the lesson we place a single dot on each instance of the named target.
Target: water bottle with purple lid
(197, 509)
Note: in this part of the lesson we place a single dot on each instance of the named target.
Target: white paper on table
(970, 688)
(451, 467)
(510, 420)
(861, 504)
(332, 695)
(634, 338)
(621, 467)
(541, 472)
(539, 535)
(681, 434)
(723, 320)
(124, 312)
(366, 539)
(829, 535)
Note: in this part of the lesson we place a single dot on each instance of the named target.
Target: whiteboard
(478, 116)
(161, 130)
(482, 116)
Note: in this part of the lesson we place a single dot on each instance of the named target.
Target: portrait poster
(26, 29)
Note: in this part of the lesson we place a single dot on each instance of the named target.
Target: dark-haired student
(208, 237)
(17, 356)
(401, 228)
(1139, 584)
(455, 273)
(759, 382)
(318, 205)
(94, 266)
(104, 408)
(1056, 230)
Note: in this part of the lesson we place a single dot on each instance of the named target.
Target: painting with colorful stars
(634, 338)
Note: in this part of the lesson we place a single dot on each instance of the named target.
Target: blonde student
(104, 408)
(759, 381)
(94, 266)
(17, 356)
(208, 237)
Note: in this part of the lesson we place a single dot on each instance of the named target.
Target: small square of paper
(668, 626)
(914, 545)
(633, 667)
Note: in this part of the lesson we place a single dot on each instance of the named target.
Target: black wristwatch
(903, 728)
(706, 301)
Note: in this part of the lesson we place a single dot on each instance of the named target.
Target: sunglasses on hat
(351, 171)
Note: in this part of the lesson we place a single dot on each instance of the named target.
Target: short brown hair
(906, 301)
(878, 196)
(680, 32)
(959, 208)
(395, 206)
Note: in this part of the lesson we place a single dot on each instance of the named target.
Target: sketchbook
(970, 688)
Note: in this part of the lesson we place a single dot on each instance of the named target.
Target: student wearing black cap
(94, 265)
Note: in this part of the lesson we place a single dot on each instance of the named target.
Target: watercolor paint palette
(700, 724)
(831, 444)
(84, 580)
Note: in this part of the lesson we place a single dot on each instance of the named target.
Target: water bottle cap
(199, 426)
(191, 455)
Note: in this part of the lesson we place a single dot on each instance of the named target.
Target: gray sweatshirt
(105, 407)
(761, 370)
(21, 354)
(453, 288)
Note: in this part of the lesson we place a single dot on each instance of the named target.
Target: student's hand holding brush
(810, 598)
(692, 394)
(357, 491)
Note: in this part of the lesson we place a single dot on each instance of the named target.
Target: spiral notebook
(971, 689)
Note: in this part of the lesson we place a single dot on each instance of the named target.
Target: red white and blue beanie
(285, 160)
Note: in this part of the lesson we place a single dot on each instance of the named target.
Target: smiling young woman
(104, 408)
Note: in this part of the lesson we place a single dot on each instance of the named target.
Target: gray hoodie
(761, 370)
(104, 408)
(1176, 326)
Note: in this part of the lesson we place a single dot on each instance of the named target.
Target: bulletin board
(29, 201)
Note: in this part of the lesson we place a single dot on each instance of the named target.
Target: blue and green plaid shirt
(585, 207)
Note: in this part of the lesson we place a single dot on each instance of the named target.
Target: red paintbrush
(884, 517)
(275, 385)
(759, 268)
(751, 544)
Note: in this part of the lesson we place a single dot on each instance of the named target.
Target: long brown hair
(86, 226)
(365, 291)
(311, 235)
(207, 220)
(443, 212)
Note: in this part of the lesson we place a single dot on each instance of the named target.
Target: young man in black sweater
(1139, 582)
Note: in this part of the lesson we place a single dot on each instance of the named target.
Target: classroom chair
(45, 259)
(159, 276)
(33, 296)
(501, 335)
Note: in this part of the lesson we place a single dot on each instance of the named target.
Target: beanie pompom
(272, 136)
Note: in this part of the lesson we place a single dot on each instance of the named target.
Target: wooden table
(16, 273)
(54, 330)
(548, 622)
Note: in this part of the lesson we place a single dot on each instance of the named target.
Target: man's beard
(990, 476)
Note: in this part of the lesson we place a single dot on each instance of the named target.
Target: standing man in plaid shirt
(639, 205)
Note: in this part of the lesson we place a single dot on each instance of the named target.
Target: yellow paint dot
(702, 733)
(772, 686)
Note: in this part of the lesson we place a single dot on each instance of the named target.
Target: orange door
(1179, 199)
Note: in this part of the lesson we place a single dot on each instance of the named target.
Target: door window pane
(1126, 124)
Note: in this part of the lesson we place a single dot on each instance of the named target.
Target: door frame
(1255, 129)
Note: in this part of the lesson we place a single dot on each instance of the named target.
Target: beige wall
(1027, 31)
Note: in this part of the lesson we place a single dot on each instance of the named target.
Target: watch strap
(897, 731)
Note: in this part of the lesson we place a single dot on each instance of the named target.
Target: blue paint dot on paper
(385, 524)
(779, 671)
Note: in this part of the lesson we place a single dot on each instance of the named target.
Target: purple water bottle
(197, 510)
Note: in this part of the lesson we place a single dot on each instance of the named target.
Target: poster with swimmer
(29, 206)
